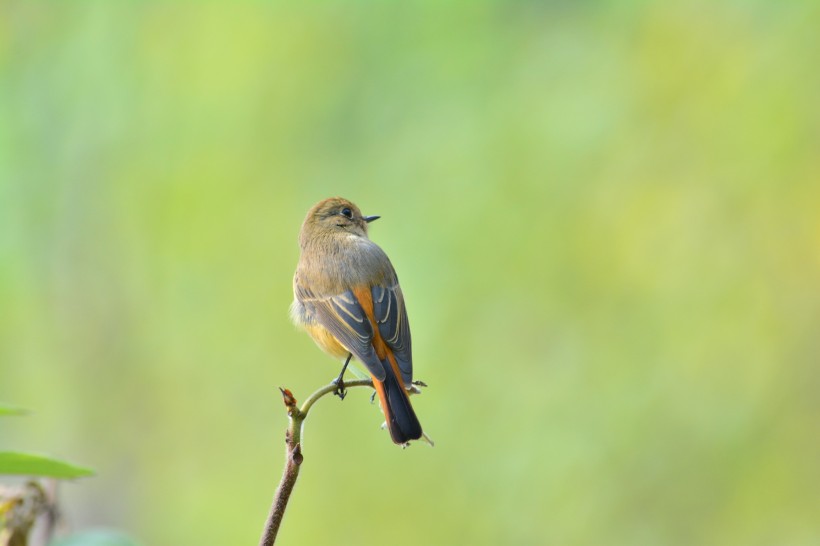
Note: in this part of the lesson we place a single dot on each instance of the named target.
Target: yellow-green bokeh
(604, 216)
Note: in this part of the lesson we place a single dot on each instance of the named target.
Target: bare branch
(293, 453)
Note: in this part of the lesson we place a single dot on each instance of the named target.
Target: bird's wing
(344, 317)
(391, 320)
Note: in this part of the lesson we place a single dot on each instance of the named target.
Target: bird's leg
(340, 391)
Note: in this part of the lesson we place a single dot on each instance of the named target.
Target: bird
(346, 296)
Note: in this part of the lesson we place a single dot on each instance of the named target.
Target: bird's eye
(347, 212)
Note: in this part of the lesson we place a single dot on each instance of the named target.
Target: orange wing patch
(365, 297)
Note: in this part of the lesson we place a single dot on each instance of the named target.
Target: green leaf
(28, 464)
(10, 410)
(95, 538)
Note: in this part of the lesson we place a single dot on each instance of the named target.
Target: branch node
(296, 455)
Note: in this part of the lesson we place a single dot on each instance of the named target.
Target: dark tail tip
(401, 419)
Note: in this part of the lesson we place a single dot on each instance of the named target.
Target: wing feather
(343, 316)
(391, 320)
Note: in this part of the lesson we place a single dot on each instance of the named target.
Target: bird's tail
(398, 413)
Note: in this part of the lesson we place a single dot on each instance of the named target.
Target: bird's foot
(416, 386)
(340, 391)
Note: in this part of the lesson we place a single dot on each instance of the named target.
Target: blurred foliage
(604, 216)
(30, 464)
(100, 537)
(6, 411)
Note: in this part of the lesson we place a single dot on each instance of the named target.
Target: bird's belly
(326, 341)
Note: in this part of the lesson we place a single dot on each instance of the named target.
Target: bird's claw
(415, 387)
(340, 391)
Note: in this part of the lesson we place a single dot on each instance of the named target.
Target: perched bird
(347, 297)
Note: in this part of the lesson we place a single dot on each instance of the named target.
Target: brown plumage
(348, 298)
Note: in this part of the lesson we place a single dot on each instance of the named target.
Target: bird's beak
(369, 219)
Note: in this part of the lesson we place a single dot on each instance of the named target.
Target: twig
(41, 535)
(293, 453)
(20, 508)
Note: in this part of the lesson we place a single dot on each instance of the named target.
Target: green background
(604, 216)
